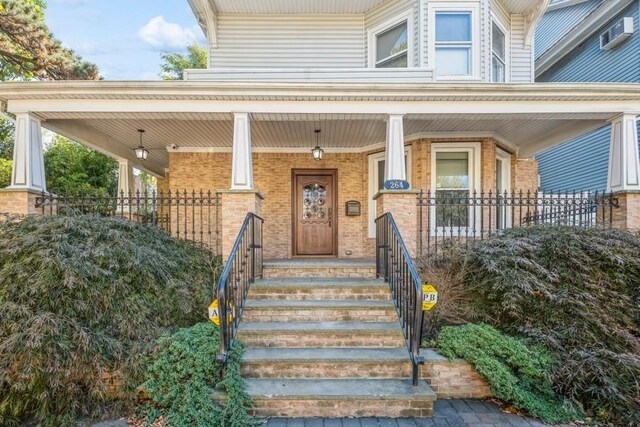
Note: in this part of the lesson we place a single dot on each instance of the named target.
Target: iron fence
(189, 215)
(469, 215)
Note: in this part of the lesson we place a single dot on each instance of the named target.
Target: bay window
(392, 47)
(498, 54)
(454, 44)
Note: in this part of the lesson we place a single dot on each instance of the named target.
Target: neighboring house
(568, 49)
(381, 79)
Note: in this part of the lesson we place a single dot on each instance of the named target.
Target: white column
(624, 161)
(125, 177)
(28, 162)
(241, 163)
(394, 157)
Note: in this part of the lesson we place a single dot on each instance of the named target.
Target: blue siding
(579, 164)
(559, 22)
(582, 163)
(587, 63)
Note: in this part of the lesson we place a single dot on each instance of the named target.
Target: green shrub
(575, 291)
(85, 296)
(181, 378)
(516, 374)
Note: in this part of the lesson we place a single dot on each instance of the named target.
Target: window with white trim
(455, 175)
(392, 46)
(454, 43)
(498, 54)
(376, 182)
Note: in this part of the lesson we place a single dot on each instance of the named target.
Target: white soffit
(520, 6)
(295, 6)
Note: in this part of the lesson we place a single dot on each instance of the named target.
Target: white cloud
(161, 34)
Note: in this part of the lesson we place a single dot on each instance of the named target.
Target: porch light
(141, 152)
(317, 152)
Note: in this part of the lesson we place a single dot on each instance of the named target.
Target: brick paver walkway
(447, 413)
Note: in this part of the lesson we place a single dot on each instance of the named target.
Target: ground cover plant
(82, 298)
(182, 375)
(516, 373)
(577, 292)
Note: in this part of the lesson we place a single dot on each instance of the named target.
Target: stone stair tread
(339, 354)
(302, 304)
(336, 326)
(344, 389)
(319, 282)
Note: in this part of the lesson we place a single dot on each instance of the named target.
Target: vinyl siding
(555, 24)
(289, 41)
(583, 162)
(521, 56)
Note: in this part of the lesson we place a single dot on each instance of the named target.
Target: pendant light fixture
(141, 152)
(317, 151)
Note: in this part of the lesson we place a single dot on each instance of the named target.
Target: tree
(29, 51)
(6, 139)
(175, 63)
(74, 168)
(5, 172)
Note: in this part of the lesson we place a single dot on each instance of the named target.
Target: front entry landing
(314, 213)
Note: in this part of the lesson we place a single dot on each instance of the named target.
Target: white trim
(387, 25)
(505, 158)
(591, 25)
(565, 3)
(624, 160)
(474, 149)
(466, 7)
(373, 160)
(27, 171)
(507, 46)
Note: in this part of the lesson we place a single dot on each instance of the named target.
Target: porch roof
(198, 116)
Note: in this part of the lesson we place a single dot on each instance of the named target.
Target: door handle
(330, 216)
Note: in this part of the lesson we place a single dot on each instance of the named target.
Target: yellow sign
(429, 297)
(214, 313)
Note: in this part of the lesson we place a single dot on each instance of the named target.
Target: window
(455, 175)
(392, 48)
(498, 54)
(376, 182)
(454, 44)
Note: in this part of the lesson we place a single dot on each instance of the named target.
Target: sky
(124, 38)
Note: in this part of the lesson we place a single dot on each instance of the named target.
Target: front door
(314, 212)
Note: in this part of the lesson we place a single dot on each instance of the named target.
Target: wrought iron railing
(188, 215)
(394, 264)
(471, 215)
(242, 267)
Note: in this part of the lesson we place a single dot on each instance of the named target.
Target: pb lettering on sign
(429, 297)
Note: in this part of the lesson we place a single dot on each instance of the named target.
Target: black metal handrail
(394, 264)
(242, 267)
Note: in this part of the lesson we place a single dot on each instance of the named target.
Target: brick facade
(272, 177)
(18, 202)
(453, 379)
(627, 216)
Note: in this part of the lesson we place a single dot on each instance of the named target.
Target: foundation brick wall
(524, 175)
(627, 216)
(404, 209)
(453, 379)
(18, 202)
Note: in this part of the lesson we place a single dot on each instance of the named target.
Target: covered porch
(249, 145)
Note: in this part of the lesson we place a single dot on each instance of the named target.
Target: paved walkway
(447, 413)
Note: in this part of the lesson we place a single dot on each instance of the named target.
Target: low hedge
(82, 298)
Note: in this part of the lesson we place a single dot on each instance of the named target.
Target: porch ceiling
(115, 133)
(295, 6)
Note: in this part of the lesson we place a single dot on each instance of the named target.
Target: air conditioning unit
(619, 32)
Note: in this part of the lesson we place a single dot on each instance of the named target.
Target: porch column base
(234, 206)
(403, 205)
(627, 216)
(17, 201)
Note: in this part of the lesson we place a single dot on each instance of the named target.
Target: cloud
(164, 35)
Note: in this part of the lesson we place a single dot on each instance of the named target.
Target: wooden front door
(314, 212)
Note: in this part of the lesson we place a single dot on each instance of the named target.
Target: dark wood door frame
(294, 221)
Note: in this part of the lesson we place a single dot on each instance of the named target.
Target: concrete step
(319, 289)
(319, 310)
(339, 398)
(326, 363)
(319, 268)
(320, 334)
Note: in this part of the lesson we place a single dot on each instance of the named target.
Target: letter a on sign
(214, 313)
(429, 297)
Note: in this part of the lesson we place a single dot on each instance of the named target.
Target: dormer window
(392, 47)
(454, 44)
